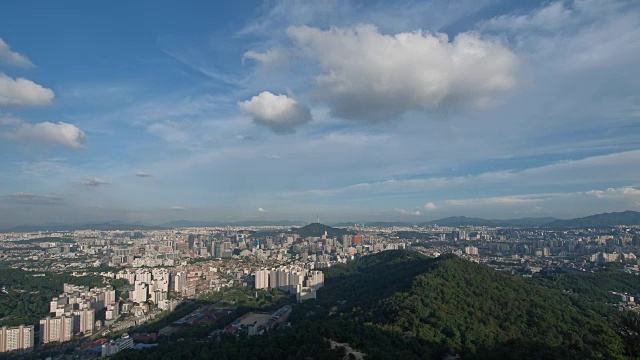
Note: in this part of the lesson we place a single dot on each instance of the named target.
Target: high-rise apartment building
(16, 338)
(262, 279)
(140, 293)
(59, 328)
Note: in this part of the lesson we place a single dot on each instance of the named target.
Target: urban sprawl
(161, 269)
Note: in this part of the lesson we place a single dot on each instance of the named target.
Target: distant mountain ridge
(458, 221)
(598, 220)
(68, 227)
(190, 223)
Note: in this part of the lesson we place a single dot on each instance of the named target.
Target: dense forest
(25, 297)
(400, 304)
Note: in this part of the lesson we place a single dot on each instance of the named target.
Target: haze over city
(346, 110)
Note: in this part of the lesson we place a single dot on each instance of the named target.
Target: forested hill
(452, 303)
(400, 304)
(600, 220)
(317, 230)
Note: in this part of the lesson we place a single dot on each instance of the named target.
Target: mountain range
(599, 220)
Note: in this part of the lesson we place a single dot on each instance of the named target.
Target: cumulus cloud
(409, 212)
(142, 174)
(62, 133)
(10, 57)
(93, 181)
(430, 206)
(32, 199)
(376, 77)
(261, 210)
(23, 92)
(279, 113)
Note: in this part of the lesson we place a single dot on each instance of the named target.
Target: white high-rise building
(161, 284)
(140, 292)
(262, 279)
(179, 281)
(315, 279)
(59, 328)
(85, 320)
(158, 296)
(109, 295)
(273, 279)
(144, 276)
(16, 338)
(112, 312)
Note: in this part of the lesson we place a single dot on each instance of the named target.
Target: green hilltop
(317, 230)
(401, 304)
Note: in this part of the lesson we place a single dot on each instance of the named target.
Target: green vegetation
(400, 304)
(317, 230)
(594, 287)
(245, 296)
(28, 294)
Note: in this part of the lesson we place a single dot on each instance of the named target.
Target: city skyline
(287, 110)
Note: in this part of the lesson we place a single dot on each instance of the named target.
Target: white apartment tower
(16, 338)
(262, 279)
(140, 292)
(59, 328)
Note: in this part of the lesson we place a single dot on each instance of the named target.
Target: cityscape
(330, 179)
(146, 274)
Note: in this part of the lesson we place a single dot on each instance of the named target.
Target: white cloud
(590, 170)
(272, 57)
(569, 204)
(93, 181)
(409, 212)
(615, 193)
(62, 133)
(497, 200)
(170, 131)
(9, 57)
(548, 17)
(279, 113)
(23, 92)
(261, 210)
(430, 206)
(375, 77)
(574, 35)
(8, 120)
(350, 138)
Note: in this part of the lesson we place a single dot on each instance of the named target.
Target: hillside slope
(600, 220)
(400, 304)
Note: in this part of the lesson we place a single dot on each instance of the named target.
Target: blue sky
(347, 110)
